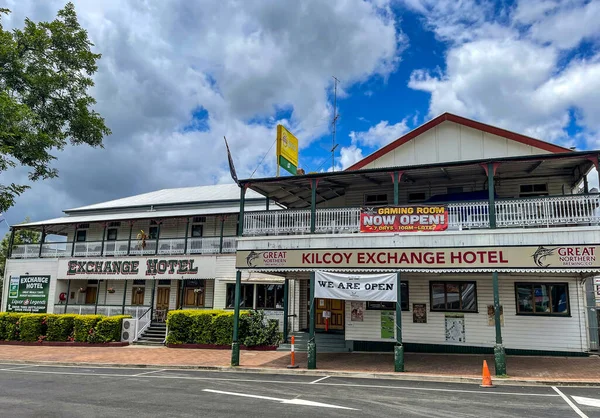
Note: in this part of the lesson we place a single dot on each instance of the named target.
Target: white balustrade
(143, 322)
(204, 245)
(277, 222)
(468, 215)
(171, 246)
(87, 249)
(116, 248)
(229, 245)
(143, 248)
(548, 211)
(108, 310)
(56, 249)
(25, 251)
(337, 220)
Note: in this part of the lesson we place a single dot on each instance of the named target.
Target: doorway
(90, 295)
(337, 309)
(137, 296)
(163, 295)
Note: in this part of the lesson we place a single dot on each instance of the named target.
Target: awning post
(286, 308)
(124, 298)
(312, 346)
(499, 354)
(399, 348)
(235, 345)
(68, 294)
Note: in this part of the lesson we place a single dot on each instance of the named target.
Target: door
(137, 296)
(336, 307)
(90, 295)
(162, 298)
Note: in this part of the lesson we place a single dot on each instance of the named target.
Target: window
(83, 226)
(542, 299)
(153, 232)
(197, 231)
(376, 199)
(81, 236)
(111, 234)
(139, 282)
(194, 293)
(453, 296)
(391, 306)
(114, 224)
(269, 296)
(417, 197)
(246, 299)
(540, 189)
(92, 282)
(454, 189)
(199, 219)
(164, 282)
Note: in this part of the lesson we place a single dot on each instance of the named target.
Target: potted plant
(139, 290)
(111, 290)
(82, 290)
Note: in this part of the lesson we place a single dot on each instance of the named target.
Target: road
(53, 391)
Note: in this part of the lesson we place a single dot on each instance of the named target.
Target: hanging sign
(28, 294)
(404, 219)
(363, 287)
(287, 150)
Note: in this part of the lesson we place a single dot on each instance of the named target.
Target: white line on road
(17, 368)
(296, 401)
(283, 382)
(587, 401)
(319, 380)
(146, 373)
(571, 404)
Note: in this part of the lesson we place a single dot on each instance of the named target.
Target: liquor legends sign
(570, 257)
(159, 267)
(404, 219)
(365, 287)
(28, 294)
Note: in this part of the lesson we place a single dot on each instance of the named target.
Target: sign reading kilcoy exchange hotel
(131, 268)
(526, 257)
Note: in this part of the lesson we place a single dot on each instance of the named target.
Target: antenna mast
(334, 123)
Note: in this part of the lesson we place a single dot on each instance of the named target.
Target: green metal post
(491, 195)
(499, 354)
(312, 346)
(313, 205)
(241, 218)
(152, 298)
(97, 297)
(286, 308)
(399, 348)
(68, 294)
(129, 240)
(586, 187)
(396, 187)
(74, 240)
(124, 298)
(185, 241)
(235, 345)
(11, 242)
(103, 238)
(157, 237)
(181, 294)
(221, 235)
(267, 205)
(42, 239)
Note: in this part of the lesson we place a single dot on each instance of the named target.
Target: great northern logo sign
(569, 257)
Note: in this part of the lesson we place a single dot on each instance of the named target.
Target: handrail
(143, 323)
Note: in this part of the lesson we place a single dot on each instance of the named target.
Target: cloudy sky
(177, 75)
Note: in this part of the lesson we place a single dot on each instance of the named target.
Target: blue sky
(176, 76)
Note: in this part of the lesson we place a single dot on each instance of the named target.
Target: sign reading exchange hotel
(404, 219)
(526, 257)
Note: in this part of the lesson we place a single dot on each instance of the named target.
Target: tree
(22, 236)
(46, 70)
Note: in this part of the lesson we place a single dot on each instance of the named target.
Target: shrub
(260, 331)
(84, 327)
(11, 323)
(201, 328)
(60, 327)
(179, 323)
(108, 329)
(223, 328)
(3, 325)
(32, 327)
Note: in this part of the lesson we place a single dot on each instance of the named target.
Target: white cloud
(350, 155)
(380, 134)
(241, 62)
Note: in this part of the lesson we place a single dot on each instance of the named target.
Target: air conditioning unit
(129, 331)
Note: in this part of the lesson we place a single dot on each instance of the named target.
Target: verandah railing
(570, 210)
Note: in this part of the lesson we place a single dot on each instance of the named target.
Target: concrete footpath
(433, 367)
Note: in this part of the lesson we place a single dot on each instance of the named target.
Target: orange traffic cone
(486, 381)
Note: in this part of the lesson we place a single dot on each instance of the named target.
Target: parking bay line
(571, 404)
(390, 387)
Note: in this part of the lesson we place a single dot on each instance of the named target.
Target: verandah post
(103, 239)
(11, 242)
(399, 348)
(499, 354)
(313, 205)
(68, 293)
(185, 240)
(124, 298)
(97, 297)
(286, 308)
(152, 298)
(42, 239)
(491, 194)
(312, 346)
(235, 345)
(221, 234)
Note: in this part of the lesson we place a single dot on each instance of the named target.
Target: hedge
(60, 327)
(216, 327)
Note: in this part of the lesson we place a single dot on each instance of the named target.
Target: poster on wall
(28, 294)
(404, 218)
(387, 324)
(419, 313)
(455, 328)
(357, 310)
(379, 287)
(492, 315)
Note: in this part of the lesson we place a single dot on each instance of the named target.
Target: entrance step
(155, 334)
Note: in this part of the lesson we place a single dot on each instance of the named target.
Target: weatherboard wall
(450, 141)
(548, 333)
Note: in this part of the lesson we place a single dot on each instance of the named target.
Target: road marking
(571, 404)
(319, 380)
(296, 401)
(280, 382)
(17, 368)
(146, 373)
(587, 401)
